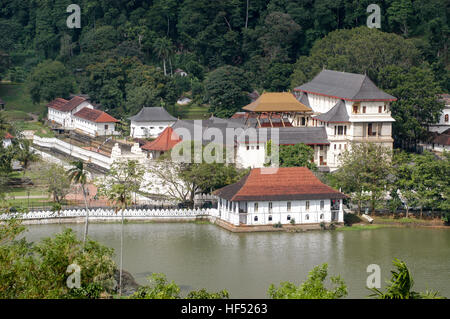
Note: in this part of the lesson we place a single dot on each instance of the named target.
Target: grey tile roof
(337, 114)
(287, 135)
(347, 86)
(153, 114)
(303, 98)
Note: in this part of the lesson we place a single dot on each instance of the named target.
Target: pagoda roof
(164, 142)
(337, 114)
(283, 183)
(153, 114)
(277, 102)
(346, 86)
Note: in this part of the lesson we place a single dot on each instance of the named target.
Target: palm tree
(163, 48)
(78, 175)
(26, 154)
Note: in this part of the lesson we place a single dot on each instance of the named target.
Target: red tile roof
(8, 136)
(96, 116)
(64, 105)
(57, 103)
(164, 142)
(442, 139)
(286, 183)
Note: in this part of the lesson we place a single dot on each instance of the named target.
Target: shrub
(278, 225)
(292, 221)
(446, 218)
(350, 219)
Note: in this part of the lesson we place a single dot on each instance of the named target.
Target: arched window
(321, 216)
(288, 217)
(446, 118)
(255, 218)
(307, 217)
(270, 218)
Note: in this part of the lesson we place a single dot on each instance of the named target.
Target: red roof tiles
(57, 103)
(8, 136)
(164, 142)
(286, 183)
(96, 116)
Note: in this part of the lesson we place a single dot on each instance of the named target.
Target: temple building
(150, 122)
(351, 109)
(285, 195)
(61, 111)
(94, 122)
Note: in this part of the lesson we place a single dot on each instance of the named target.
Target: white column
(341, 212)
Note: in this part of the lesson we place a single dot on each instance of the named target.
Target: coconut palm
(25, 154)
(163, 48)
(78, 175)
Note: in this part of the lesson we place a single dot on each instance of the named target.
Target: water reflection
(206, 256)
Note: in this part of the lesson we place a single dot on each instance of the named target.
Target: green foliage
(50, 79)
(350, 219)
(30, 270)
(226, 90)
(313, 288)
(58, 184)
(297, 155)
(204, 294)
(400, 285)
(363, 174)
(159, 288)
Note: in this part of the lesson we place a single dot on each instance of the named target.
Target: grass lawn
(15, 115)
(404, 220)
(193, 112)
(18, 99)
(40, 129)
(360, 227)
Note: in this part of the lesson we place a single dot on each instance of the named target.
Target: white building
(284, 195)
(351, 109)
(94, 122)
(444, 121)
(7, 140)
(61, 111)
(150, 122)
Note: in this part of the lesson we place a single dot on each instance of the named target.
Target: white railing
(112, 214)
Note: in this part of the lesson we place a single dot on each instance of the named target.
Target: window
(288, 206)
(161, 127)
(307, 217)
(307, 205)
(446, 118)
(270, 207)
(255, 207)
(321, 216)
(270, 218)
(379, 109)
(385, 108)
(152, 127)
(322, 204)
(257, 147)
(345, 130)
(255, 218)
(339, 146)
(364, 109)
(321, 147)
(303, 121)
(248, 147)
(371, 131)
(106, 126)
(288, 217)
(355, 109)
(340, 130)
(334, 146)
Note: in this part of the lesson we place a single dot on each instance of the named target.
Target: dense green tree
(226, 90)
(417, 104)
(296, 155)
(313, 288)
(50, 79)
(363, 173)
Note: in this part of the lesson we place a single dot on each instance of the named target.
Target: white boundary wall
(75, 151)
(111, 214)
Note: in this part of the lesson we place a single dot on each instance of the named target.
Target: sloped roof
(337, 114)
(96, 116)
(286, 183)
(277, 102)
(64, 105)
(303, 98)
(8, 136)
(164, 142)
(57, 103)
(442, 139)
(343, 85)
(287, 135)
(153, 114)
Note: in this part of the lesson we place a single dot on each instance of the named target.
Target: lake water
(206, 256)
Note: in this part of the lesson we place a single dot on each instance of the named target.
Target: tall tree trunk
(164, 64)
(86, 225)
(121, 258)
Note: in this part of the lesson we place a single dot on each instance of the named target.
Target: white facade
(66, 119)
(93, 128)
(444, 121)
(284, 212)
(148, 129)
